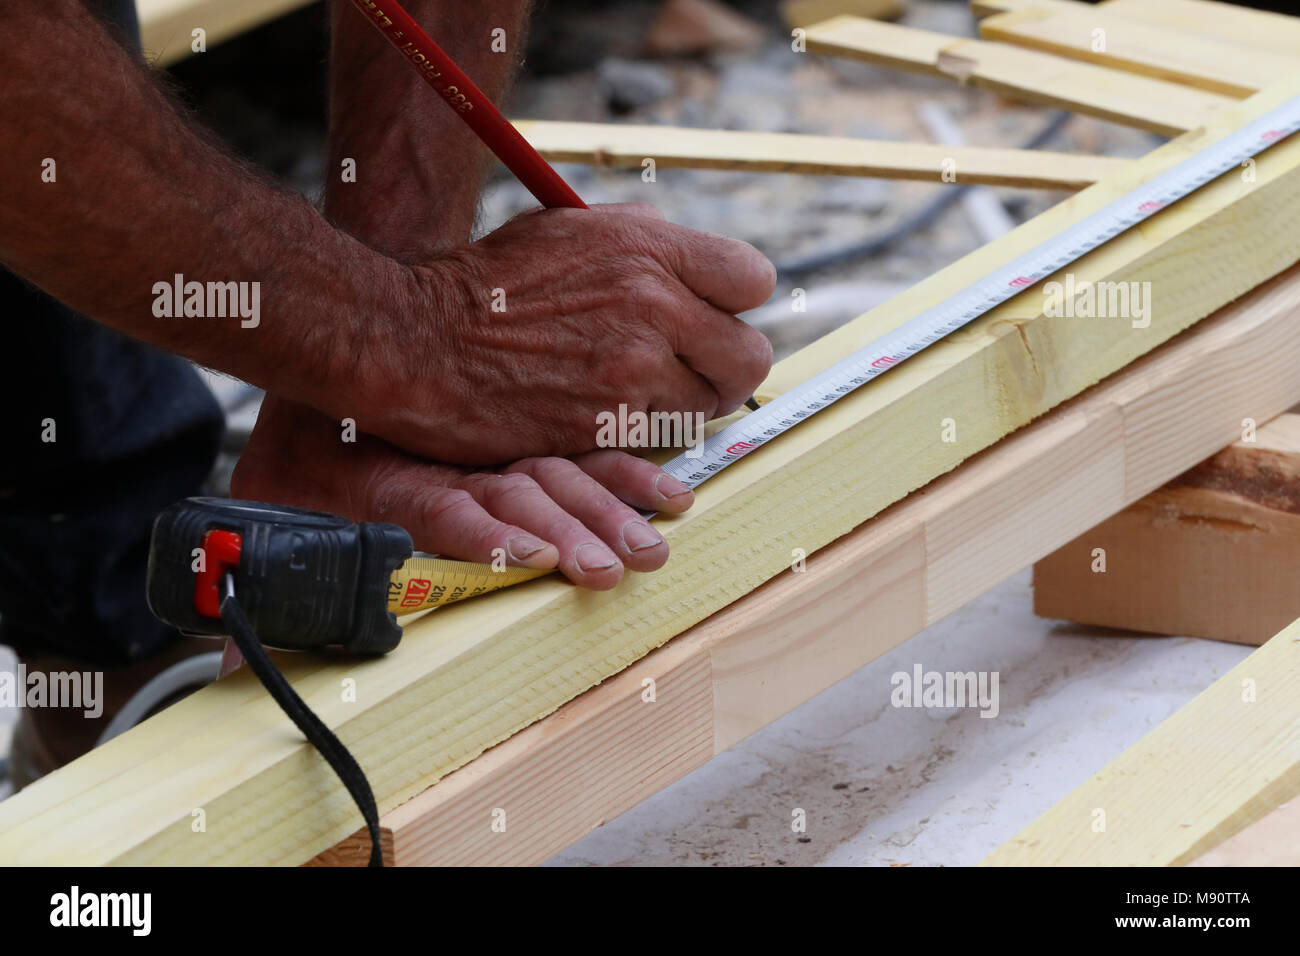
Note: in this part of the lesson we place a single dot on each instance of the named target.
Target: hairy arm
(419, 167)
(603, 309)
(140, 194)
(418, 174)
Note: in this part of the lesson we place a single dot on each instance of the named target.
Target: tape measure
(425, 582)
(783, 413)
(306, 579)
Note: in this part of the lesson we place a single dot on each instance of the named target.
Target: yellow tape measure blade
(425, 582)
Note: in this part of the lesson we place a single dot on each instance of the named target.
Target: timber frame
(1072, 421)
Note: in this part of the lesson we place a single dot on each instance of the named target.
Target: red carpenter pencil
(459, 92)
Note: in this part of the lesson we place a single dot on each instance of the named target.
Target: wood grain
(857, 598)
(1150, 49)
(1214, 553)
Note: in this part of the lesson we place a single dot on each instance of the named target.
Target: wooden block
(1149, 49)
(609, 144)
(700, 26)
(1228, 758)
(166, 25)
(467, 676)
(1147, 103)
(805, 13)
(899, 572)
(1273, 841)
(1215, 553)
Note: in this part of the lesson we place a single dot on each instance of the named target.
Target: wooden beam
(610, 144)
(1214, 553)
(166, 25)
(1225, 760)
(467, 676)
(903, 570)
(804, 13)
(1151, 104)
(1227, 22)
(1148, 49)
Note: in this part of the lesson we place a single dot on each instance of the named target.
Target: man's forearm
(108, 191)
(418, 166)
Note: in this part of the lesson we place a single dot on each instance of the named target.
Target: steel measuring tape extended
(431, 582)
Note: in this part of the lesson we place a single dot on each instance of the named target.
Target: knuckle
(525, 466)
(447, 505)
(511, 487)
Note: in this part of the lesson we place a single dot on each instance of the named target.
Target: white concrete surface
(890, 786)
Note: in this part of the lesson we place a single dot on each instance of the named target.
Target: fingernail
(594, 557)
(670, 487)
(522, 546)
(637, 536)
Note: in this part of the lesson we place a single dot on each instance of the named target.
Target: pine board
(616, 144)
(1239, 26)
(1149, 49)
(166, 25)
(1214, 553)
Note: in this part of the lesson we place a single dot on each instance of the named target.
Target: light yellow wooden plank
(468, 676)
(1242, 26)
(1226, 22)
(166, 26)
(804, 13)
(1157, 105)
(1149, 49)
(902, 570)
(610, 144)
(1220, 763)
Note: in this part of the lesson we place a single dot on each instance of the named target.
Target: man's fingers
(733, 357)
(450, 522)
(516, 497)
(728, 273)
(638, 545)
(681, 390)
(640, 483)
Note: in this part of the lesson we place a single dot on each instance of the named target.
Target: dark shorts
(134, 429)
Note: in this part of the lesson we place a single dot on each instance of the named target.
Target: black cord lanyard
(320, 736)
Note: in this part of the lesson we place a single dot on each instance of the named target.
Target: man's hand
(514, 344)
(542, 512)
